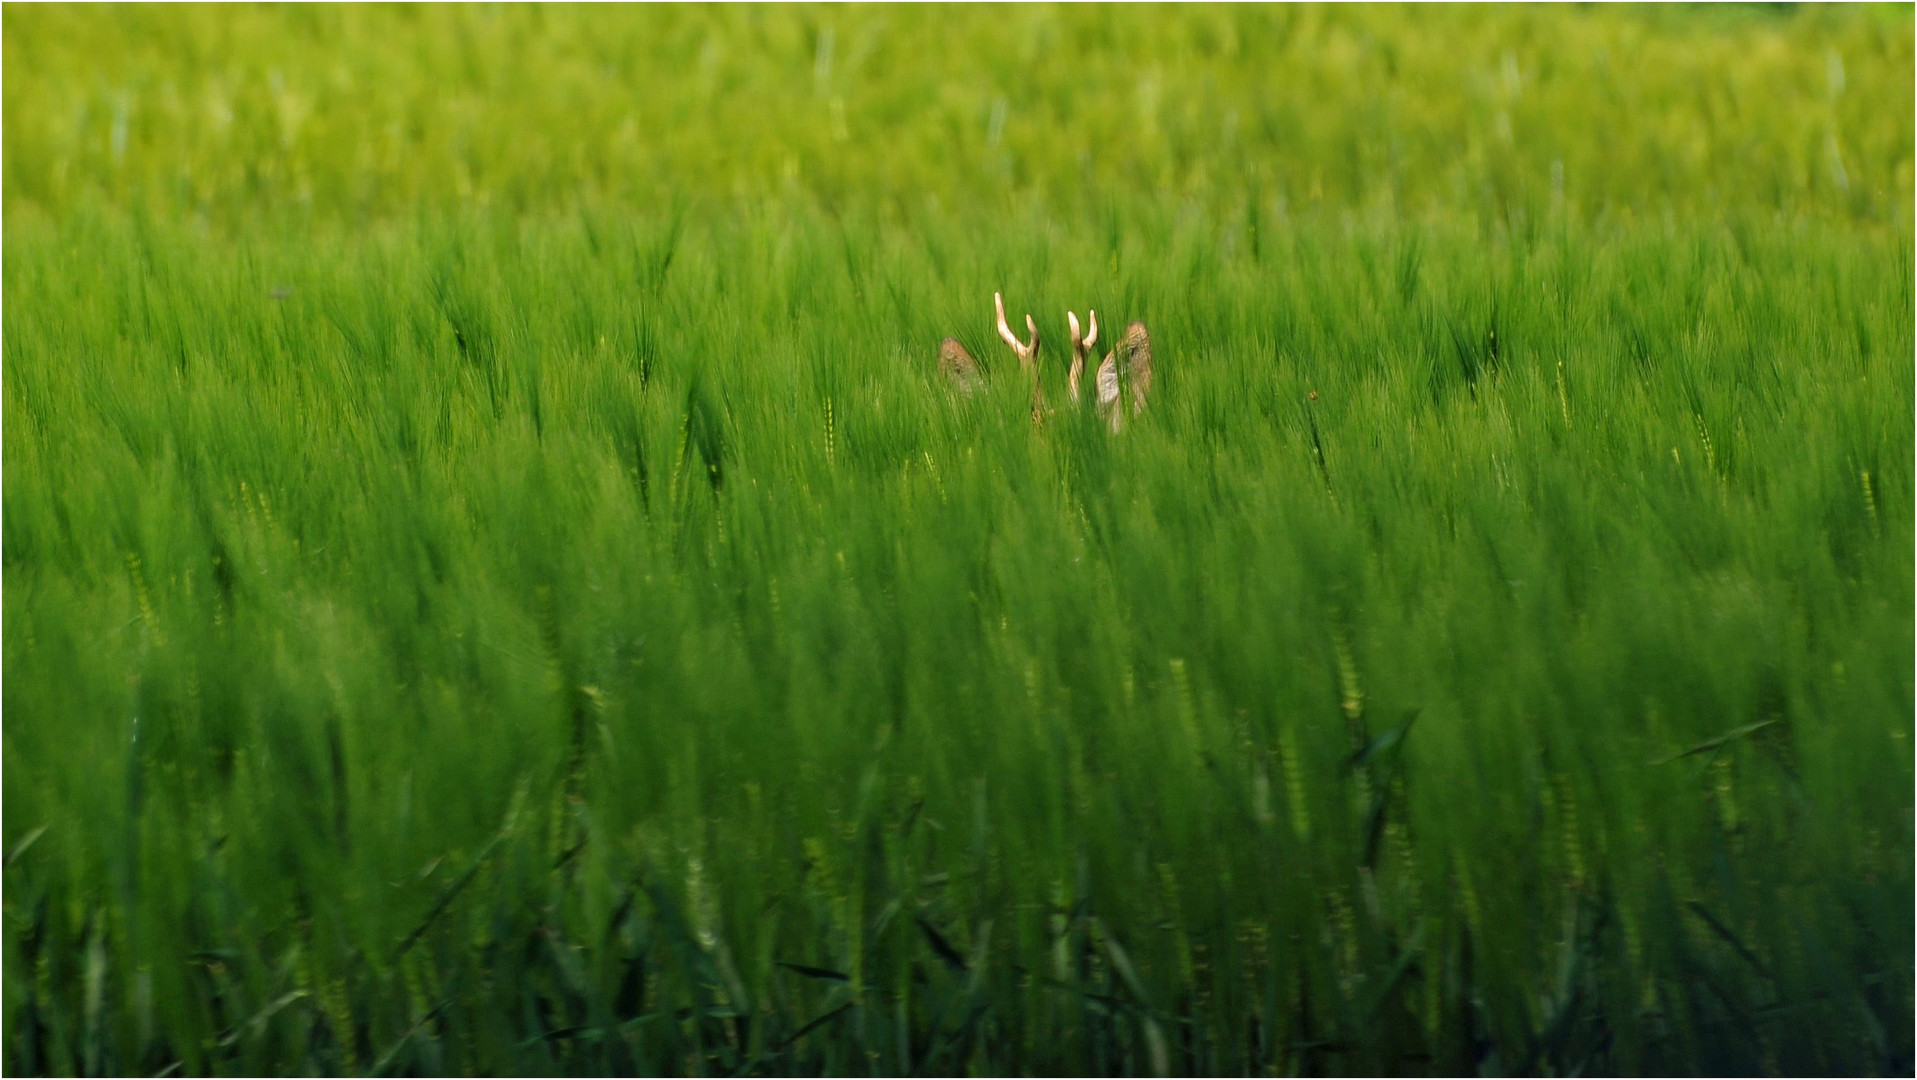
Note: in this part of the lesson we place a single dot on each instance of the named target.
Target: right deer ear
(1138, 364)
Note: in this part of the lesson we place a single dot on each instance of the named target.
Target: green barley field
(496, 582)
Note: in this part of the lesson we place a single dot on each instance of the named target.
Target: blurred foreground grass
(494, 584)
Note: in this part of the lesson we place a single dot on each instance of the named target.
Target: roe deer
(1131, 360)
(1129, 363)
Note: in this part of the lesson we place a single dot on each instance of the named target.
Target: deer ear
(1107, 387)
(1138, 347)
(957, 364)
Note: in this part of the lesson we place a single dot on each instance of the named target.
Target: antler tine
(1024, 351)
(1079, 345)
(1091, 335)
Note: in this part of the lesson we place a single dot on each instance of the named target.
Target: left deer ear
(956, 363)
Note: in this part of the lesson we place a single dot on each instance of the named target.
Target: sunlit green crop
(494, 581)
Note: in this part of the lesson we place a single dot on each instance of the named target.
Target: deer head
(1127, 366)
(957, 363)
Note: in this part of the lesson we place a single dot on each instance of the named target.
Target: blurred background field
(355, 115)
(493, 582)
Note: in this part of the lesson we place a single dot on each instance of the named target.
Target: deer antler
(1027, 353)
(1080, 346)
(1078, 356)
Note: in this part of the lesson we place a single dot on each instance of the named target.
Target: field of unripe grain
(495, 580)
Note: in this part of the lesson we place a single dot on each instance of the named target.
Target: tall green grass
(495, 584)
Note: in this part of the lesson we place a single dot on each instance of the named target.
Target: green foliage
(355, 113)
(496, 584)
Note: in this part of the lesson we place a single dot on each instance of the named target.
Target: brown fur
(1137, 345)
(957, 364)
